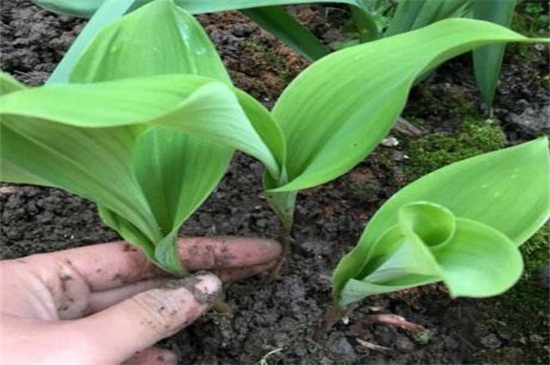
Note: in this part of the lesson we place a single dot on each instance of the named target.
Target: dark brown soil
(329, 219)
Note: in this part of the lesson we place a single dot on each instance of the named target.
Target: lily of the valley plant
(270, 14)
(149, 121)
(462, 224)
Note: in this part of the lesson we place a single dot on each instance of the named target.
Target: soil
(329, 219)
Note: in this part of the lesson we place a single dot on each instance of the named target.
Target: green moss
(520, 317)
(437, 150)
(531, 20)
(530, 296)
(431, 101)
(539, 242)
(507, 355)
(251, 44)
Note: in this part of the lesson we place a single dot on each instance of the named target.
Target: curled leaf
(460, 224)
(430, 244)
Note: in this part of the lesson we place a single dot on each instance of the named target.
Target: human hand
(107, 304)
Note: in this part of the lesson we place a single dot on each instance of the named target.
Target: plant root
(372, 346)
(395, 321)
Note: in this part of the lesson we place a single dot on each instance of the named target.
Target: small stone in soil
(491, 341)
(403, 344)
(343, 349)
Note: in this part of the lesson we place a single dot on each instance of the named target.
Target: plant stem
(284, 238)
(283, 204)
(333, 315)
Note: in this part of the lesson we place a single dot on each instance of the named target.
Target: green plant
(367, 15)
(165, 128)
(133, 139)
(267, 13)
(328, 133)
(462, 224)
(414, 14)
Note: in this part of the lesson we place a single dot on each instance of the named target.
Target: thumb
(148, 317)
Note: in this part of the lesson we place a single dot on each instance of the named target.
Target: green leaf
(60, 132)
(180, 130)
(103, 12)
(81, 8)
(18, 173)
(490, 188)
(488, 59)
(430, 244)
(170, 167)
(108, 11)
(479, 261)
(282, 203)
(208, 6)
(68, 157)
(111, 103)
(499, 198)
(8, 84)
(183, 48)
(133, 234)
(234, 129)
(337, 111)
(87, 8)
(167, 167)
(159, 38)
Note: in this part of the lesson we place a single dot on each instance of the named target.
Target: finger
(111, 265)
(104, 299)
(206, 253)
(107, 298)
(230, 275)
(62, 342)
(148, 317)
(152, 356)
(101, 266)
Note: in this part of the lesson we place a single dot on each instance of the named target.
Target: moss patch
(437, 150)
(532, 20)
(520, 317)
(531, 296)
(430, 101)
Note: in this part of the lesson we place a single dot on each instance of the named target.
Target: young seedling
(337, 110)
(146, 129)
(270, 14)
(462, 224)
(164, 130)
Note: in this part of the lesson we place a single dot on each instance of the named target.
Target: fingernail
(168, 358)
(153, 356)
(204, 286)
(207, 287)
